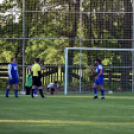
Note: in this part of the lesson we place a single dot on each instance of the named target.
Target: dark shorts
(28, 90)
(13, 81)
(52, 90)
(36, 81)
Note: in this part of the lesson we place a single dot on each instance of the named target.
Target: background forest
(55, 24)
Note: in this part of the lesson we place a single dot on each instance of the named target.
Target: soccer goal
(117, 63)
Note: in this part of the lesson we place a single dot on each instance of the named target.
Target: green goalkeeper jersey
(28, 80)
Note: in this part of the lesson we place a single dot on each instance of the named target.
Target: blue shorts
(13, 81)
(99, 81)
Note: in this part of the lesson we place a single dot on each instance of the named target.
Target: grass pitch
(72, 114)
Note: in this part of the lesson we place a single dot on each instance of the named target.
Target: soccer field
(72, 114)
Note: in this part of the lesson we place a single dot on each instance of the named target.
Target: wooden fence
(56, 73)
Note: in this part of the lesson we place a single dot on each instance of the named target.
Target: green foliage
(63, 24)
(59, 25)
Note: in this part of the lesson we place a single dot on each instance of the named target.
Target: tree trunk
(126, 56)
(88, 21)
(72, 35)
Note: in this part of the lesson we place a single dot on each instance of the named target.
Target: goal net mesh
(117, 64)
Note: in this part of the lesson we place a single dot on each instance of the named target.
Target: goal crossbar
(85, 48)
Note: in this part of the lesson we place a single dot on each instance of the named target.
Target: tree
(61, 25)
(116, 26)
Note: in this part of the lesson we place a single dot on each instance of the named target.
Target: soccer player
(13, 77)
(52, 88)
(99, 78)
(35, 90)
(42, 68)
(28, 84)
(36, 78)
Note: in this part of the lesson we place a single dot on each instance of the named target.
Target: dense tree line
(63, 21)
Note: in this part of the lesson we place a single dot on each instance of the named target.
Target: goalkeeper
(28, 85)
(99, 78)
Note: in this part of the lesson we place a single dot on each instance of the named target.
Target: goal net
(117, 63)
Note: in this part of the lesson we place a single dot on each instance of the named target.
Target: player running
(36, 78)
(52, 88)
(13, 77)
(99, 78)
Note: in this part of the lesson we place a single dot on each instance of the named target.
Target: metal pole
(67, 39)
(101, 49)
(66, 71)
(80, 42)
(23, 58)
(17, 11)
(133, 54)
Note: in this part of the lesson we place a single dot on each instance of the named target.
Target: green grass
(72, 114)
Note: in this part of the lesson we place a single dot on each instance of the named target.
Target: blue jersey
(98, 68)
(100, 79)
(12, 70)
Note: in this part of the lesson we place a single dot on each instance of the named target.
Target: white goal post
(91, 49)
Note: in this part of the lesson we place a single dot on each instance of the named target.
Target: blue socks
(102, 92)
(35, 91)
(95, 91)
(16, 92)
(7, 91)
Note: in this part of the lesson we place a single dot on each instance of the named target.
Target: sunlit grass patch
(67, 114)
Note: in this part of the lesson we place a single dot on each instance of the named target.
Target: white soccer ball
(110, 92)
(22, 92)
(35, 95)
